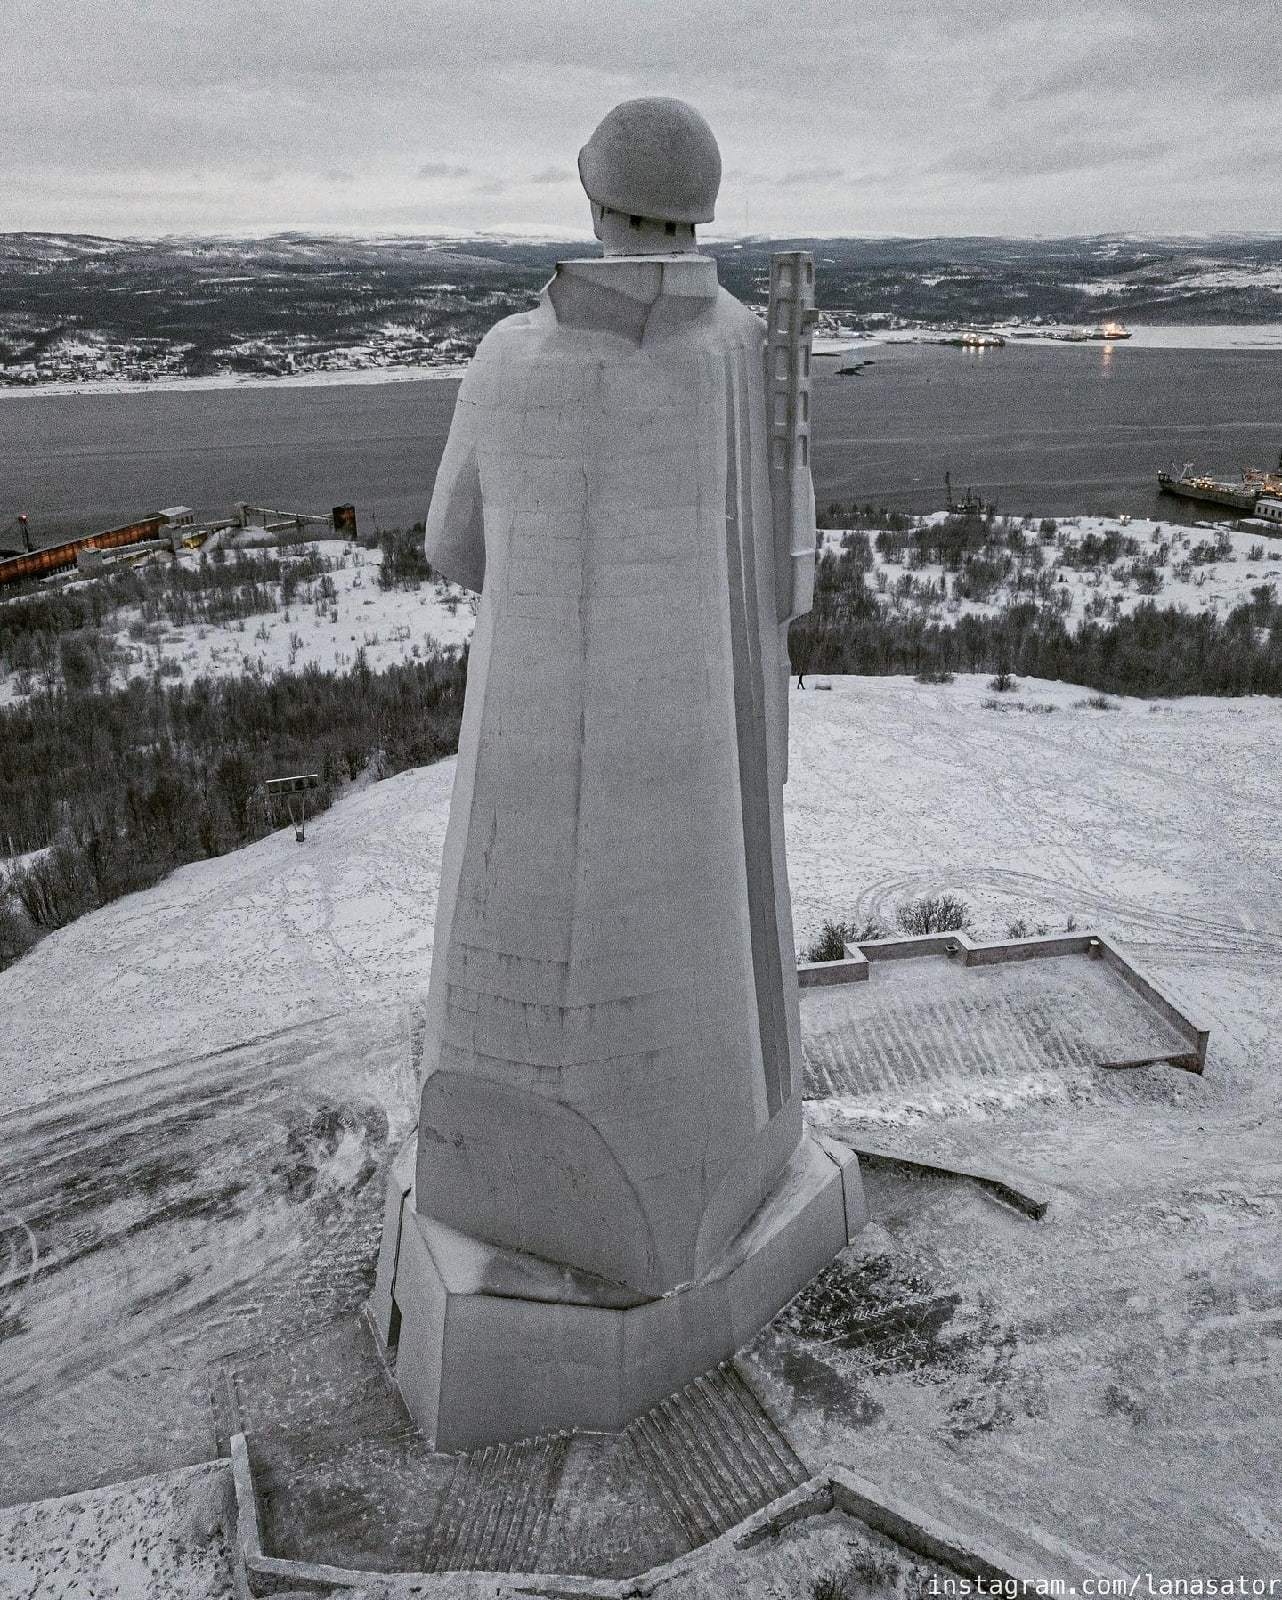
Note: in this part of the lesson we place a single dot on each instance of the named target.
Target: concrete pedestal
(492, 1345)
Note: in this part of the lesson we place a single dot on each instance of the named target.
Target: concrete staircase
(494, 1514)
(713, 1455)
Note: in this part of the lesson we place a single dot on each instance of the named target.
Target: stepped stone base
(492, 1345)
(713, 1455)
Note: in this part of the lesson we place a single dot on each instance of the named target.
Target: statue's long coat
(612, 1064)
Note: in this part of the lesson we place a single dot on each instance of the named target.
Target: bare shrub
(1041, 707)
(835, 936)
(16, 934)
(870, 1572)
(933, 913)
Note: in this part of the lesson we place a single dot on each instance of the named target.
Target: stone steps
(902, 1033)
(713, 1455)
(494, 1514)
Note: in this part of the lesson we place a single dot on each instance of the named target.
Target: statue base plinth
(491, 1345)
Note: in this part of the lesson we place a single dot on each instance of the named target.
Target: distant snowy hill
(300, 303)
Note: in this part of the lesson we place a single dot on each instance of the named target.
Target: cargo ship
(1107, 332)
(1241, 496)
(972, 339)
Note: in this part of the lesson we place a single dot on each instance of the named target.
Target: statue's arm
(455, 541)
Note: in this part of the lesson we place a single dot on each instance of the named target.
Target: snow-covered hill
(344, 609)
(1188, 576)
(325, 627)
(1156, 822)
(196, 1195)
(334, 614)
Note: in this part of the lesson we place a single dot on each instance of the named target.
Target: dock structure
(340, 523)
(173, 529)
(68, 554)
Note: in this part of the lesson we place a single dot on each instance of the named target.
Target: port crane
(15, 536)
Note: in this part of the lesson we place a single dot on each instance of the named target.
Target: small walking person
(801, 677)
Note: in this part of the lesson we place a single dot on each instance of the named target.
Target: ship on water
(1240, 496)
(974, 339)
(1107, 332)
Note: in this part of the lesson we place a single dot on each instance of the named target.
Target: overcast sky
(936, 116)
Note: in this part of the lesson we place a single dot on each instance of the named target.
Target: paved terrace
(941, 1019)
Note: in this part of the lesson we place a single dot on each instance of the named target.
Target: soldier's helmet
(654, 158)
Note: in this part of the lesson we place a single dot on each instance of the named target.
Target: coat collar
(622, 294)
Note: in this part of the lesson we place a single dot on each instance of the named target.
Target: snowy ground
(390, 625)
(225, 951)
(160, 1537)
(200, 1083)
(896, 788)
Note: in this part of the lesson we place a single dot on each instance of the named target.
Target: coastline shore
(1156, 336)
(1165, 336)
(234, 380)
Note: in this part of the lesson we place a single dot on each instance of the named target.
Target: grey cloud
(1079, 154)
(819, 175)
(904, 115)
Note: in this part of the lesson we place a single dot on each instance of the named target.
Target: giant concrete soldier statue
(610, 1188)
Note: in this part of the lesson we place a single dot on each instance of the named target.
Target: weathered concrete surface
(611, 1072)
(500, 1345)
(611, 1065)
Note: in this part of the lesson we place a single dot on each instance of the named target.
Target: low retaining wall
(833, 1489)
(1031, 1198)
(818, 974)
(959, 946)
(1161, 1002)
